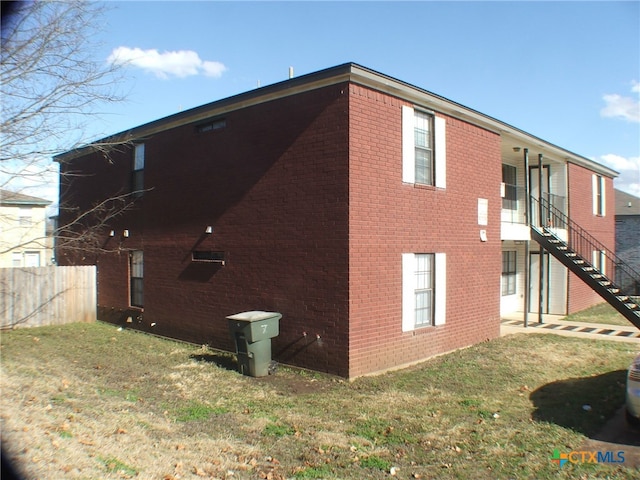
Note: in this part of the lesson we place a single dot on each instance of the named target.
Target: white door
(554, 286)
(534, 282)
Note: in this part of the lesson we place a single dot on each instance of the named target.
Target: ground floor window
(137, 275)
(424, 283)
(423, 290)
(599, 260)
(508, 273)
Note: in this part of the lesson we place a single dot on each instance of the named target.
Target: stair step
(579, 261)
(622, 298)
(571, 254)
(614, 290)
(597, 275)
(606, 283)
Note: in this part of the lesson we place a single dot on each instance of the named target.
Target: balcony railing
(588, 247)
(514, 205)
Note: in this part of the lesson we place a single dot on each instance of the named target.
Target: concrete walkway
(555, 324)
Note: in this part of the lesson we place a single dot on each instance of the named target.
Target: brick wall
(274, 185)
(580, 296)
(306, 199)
(388, 218)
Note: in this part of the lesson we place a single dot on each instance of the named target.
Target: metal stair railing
(584, 244)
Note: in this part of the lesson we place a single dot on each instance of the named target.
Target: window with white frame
(137, 179)
(137, 277)
(423, 148)
(508, 273)
(25, 216)
(509, 189)
(599, 260)
(423, 290)
(598, 195)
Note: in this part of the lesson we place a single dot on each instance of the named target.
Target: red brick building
(372, 214)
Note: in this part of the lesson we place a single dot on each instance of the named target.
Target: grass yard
(86, 401)
(602, 313)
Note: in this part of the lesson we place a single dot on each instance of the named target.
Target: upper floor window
(137, 182)
(423, 148)
(217, 124)
(598, 195)
(25, 216)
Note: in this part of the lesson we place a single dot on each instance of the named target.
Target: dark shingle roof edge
(14, 198)
(626, 204)
(352, 72)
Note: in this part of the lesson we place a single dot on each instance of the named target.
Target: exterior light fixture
(208, 230)
(125, 234)
(112, 233)
(516, 149)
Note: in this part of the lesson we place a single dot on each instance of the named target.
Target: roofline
(347, 72)
(8, 197)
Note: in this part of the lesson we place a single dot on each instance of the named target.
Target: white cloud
(181, 63)
(629, 168)
(617, 106)
(621, 163)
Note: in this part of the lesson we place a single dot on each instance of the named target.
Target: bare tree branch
(51, 87)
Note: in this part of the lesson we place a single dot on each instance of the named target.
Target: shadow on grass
(225, 361)
(581, 404)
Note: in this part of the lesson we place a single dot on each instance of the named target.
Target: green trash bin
(252, 333)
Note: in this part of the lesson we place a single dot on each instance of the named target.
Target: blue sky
(567, 72)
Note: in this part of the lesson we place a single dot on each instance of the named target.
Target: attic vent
(218, 124)
(207, 256)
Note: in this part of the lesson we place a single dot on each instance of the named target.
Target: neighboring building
(386, 223)
(23, 237)
(628, 230)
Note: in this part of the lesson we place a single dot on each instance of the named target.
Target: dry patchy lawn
(87, 401)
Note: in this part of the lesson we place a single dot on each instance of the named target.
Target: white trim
(597, 183)
(408, 145)
(440, 145)
(594, 193)
(603, 199)
(408, 289)
(440, 316)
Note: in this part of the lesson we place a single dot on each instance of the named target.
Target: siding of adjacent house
(628, 229)
(23, 235)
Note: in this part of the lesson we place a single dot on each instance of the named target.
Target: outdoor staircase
(621, 289)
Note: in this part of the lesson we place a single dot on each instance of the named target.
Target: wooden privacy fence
(38, 296)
